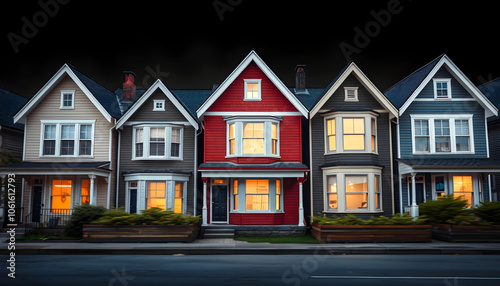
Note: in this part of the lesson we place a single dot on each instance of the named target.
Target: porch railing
(47, 219)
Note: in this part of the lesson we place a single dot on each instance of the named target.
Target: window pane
(235, 195)
(330, 127)
(139, 150)
(439, 186)
(86, 132)
(49, 147)
(67, 147)
(178, 197)
(257, 194)
(139, 133)
(462, 143)
(442, 144)
(332, 143)
(354, 125)
(252, 90)
(278, 195)
(257, 202)
(356, 192)
(253, 130)
(68, 132)
(253, 146)
(354, 142)
(442, 127)
(257, 186)
(274, 131)
(85, 147)
(231, 131)
(377, 192)
(462, 127)
(50, 132)
(61, 195)
(156, 195)
(422, 144)
(157, 142)
(332, 192)
(85, 193)
(462, 187)
(330, 130)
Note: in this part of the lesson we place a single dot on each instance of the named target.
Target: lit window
(252, 89)
(356, 192)
(332, 192)
(85, 193)
(442, 88)
(156, 195)
(462, 187)
(354, 133)
(274, 138)
(235, 195)
(374, 135)
(330, 132)
(278, 195)
(378, 195)
(257, 195)
(351, 93)
(67, 99)
(179, 195)
(232, 141)
(253, 138)
(61, 195)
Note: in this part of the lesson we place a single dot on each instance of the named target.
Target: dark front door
(219, 203)
(133, 201)
(36, 206)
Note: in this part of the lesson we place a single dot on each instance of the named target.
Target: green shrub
(350, 219)
(489, 211)
(152, 216)
(468, 220)
(443, 209)
(117, 217)
(82, 215)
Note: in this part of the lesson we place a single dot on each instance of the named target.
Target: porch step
(219, 233)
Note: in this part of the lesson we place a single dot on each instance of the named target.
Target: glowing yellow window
(235, 195)
(354, 133)
(85, 192)
(278, 195)
(252, 91)
(462, 187)
(356, 192)
(156, 195)
(332, 138)
(232, 146)
(257, 195)
(253, 138)
(179, 190)
(332, 192)
(61, 195)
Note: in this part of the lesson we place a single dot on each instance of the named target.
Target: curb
(246, 251)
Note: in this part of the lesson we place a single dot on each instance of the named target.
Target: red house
(252, 169)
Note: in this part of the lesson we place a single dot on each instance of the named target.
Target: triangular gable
(64, 70)
(175, 101)
(252, 56)
(443, 60)
(337, 82)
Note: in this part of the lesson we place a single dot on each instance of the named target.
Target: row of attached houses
(252, 151)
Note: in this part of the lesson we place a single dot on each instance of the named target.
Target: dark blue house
(441, 136)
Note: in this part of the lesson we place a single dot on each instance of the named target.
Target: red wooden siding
(232, 98)
(290, 142)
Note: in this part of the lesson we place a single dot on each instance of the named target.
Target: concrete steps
(215, 232)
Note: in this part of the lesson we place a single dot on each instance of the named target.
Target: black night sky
(194, 44)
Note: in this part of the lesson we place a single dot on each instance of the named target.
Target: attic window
(252, 90)
(442, 88)
(351, 93)
(159, 105)
(67, 99)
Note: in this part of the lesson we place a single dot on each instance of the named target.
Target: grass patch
(279, 239)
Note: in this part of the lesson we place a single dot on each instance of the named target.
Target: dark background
(190, 44)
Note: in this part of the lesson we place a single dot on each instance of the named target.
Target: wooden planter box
(372, 233)
(466, 233)
(140, 233)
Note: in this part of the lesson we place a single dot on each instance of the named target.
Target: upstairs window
(350, 132)
(158, 105)
(67, 139)
(252, 90)
(67, 99)
(351, 93)
(442, 88)
(249, 138)
(157, 143)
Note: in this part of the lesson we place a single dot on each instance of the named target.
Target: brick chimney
(128, 85)
(300, 78)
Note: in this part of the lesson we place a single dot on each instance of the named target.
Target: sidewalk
(230, 246)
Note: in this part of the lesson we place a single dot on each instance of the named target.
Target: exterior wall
(494, 139)
(48, 109)
(144, 115)
(12, 141)
(444, 107)
(382, 158)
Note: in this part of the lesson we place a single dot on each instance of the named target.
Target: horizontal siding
(232, 99)
(48, 109)
(145, 113)
(215, 139)
(457, 90)
(12, 141)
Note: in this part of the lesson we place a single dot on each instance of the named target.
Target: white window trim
(339, 136)
(432, 135)
(161, 101)
(58, 139)
(433, 180)
(257, 81)
(63, 92)
(448, 81)
(347, 89)
(168, 138)
(238, 137)
(341, 172)
(242, 196)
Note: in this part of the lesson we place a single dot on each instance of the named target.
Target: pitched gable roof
(190, 116)
(404, 92)
(10, 103)
(352, 68)
(252, 56)
(492, 91)
(103, 99)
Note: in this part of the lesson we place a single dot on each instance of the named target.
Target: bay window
(257, 195)
(433, 134)
(350, 132)
(253, 137)
(67, 138)
(352, 189)
(157, 143)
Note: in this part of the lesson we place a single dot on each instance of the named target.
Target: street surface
(130, 270)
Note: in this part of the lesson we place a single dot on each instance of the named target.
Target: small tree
(489, 211)
(443, 209)
(82, 215)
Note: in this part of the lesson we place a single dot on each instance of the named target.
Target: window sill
(67, 156)
(352, 152)
(66, 108)
(253, 156)
(157, 159)
(257, 212)
(445, 153)
(252, 99)
(353, 211)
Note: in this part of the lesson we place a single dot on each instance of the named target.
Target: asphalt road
(130, 270)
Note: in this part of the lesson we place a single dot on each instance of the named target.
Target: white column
(92, 194)
(301, 203)
(414, 206)
(204, 209)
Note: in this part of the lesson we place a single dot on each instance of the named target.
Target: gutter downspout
(118, 168)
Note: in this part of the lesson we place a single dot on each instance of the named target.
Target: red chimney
(128, 85)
